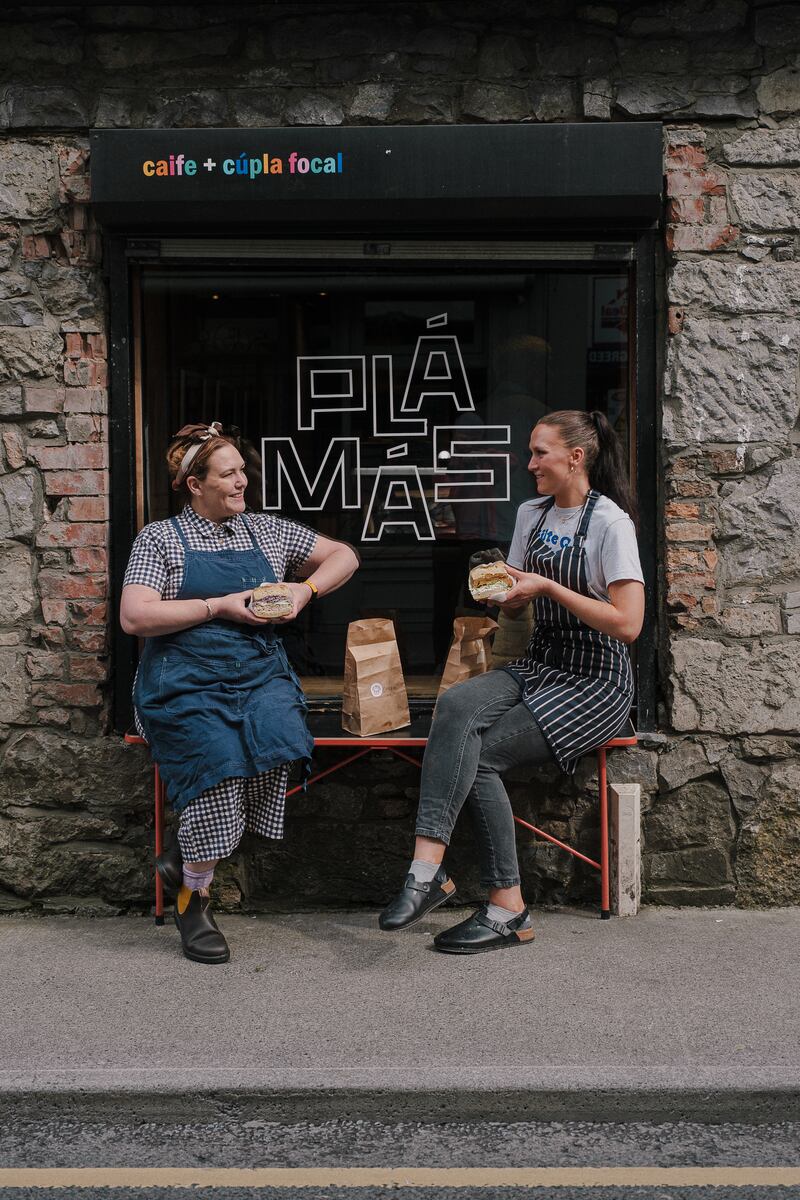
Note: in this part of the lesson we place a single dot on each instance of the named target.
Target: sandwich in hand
(490, 581)
(272, 600)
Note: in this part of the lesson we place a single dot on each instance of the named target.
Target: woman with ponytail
(574, 555)
(215, 697)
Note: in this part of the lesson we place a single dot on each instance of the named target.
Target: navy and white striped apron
(576, 681)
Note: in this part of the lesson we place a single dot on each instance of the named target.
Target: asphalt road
(331, 1146)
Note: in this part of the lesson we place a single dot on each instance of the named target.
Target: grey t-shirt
(611, 550)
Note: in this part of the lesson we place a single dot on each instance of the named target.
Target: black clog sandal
(479, 933)
(416, 900)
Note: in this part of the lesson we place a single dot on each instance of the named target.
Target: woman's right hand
(235, 607)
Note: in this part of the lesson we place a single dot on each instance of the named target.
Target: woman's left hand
(527, 586)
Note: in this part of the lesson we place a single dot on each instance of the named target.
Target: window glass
(392, 412)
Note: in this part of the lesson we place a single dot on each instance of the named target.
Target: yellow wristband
(313, 586)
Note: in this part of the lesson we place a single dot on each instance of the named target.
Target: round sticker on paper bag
(377, 690)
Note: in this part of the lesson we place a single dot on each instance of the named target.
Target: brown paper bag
(513, 636)
(470, 651)
(374, 698)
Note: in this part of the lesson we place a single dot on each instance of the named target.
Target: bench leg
(158, 824)
(605, 882)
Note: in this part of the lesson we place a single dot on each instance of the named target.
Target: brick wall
(56, 424)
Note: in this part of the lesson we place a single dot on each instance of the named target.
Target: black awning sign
(602, 174)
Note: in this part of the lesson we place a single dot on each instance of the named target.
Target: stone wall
(721, 776)
(732, 546)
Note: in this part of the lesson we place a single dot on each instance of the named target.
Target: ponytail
(605, 460)
(608, 473)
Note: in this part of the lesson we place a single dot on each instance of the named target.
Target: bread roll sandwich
(272, 600)
(490, 581)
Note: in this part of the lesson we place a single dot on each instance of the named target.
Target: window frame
(127, 254)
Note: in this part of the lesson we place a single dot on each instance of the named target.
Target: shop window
(390, 409)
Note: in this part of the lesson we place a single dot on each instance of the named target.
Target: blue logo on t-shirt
(552, 539)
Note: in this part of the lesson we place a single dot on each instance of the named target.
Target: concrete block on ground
(625, 831)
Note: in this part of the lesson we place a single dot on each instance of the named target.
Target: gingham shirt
(157, 561)
(157, 556)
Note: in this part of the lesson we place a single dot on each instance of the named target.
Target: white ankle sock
(422, 871)
(197, 880)
(495, 913)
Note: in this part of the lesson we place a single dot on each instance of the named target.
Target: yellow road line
(343, 1177)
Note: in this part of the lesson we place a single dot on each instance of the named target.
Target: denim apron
(576, 681)
(220, 699)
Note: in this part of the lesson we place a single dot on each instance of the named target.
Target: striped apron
(576, 681)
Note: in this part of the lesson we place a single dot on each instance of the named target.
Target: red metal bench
(397, 745)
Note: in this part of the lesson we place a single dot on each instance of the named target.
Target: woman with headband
(215, 696)
(574, 555)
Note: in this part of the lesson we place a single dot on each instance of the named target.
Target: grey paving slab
(324, 1007)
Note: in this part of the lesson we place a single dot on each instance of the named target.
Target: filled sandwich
(272, 600)
(490, 581)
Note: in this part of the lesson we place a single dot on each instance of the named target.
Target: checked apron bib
(576, 681)
(220, 699)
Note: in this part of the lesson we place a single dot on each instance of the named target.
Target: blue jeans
(480, 729)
